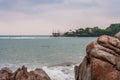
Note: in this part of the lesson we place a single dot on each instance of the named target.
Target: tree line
(93, 32)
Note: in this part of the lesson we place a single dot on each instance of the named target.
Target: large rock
(23, 74)
(102, 61)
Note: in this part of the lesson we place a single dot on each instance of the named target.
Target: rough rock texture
(102, 61)
(103, 71)
(5, 74)
(23, 74)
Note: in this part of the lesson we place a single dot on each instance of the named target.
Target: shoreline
(56, 72)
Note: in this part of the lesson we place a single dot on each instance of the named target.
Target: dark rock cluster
(23, 74)
(102, 61)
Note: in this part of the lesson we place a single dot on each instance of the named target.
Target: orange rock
(103, 70)
(102, 61)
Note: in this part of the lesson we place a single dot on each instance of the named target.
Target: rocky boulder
(38, 74)
(102, 61)
(23, 74)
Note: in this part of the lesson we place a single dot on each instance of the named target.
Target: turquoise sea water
(35, 52)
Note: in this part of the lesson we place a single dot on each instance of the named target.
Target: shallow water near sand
(56, 55)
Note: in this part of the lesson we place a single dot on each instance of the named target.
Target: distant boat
(56, 34)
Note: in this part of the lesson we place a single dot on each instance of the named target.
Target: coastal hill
(91, 32)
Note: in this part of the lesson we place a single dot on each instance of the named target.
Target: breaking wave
(55, 72)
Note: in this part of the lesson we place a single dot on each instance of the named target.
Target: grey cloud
(108, 8)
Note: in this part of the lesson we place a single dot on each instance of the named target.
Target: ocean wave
(54, 72)
(60, 72)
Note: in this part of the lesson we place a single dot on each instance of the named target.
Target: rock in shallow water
(102, 61)
(23, 74)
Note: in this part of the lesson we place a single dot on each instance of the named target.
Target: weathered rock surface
(102, 61)
(23, 74)
(5, 74)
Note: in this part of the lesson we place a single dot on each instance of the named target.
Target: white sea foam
(55, 72)
(60, 72)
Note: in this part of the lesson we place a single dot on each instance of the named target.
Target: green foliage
(96, 31)
(113, 29)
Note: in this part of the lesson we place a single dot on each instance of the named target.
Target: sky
(42, 17)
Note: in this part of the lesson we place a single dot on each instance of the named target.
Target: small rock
(5, 74)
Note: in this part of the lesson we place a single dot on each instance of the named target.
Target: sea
(57, 56)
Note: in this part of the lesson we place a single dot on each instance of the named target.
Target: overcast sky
(38, 17)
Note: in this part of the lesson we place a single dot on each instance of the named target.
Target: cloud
(43, 16)
(34, 6)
